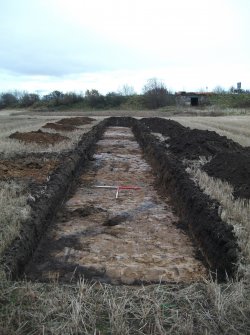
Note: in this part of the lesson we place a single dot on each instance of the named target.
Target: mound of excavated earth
(233, 167)
(230, 161)
(39, 137)
(191, 143)
(59, 127)
(76, 121)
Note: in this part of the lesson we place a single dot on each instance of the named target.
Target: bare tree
(155, 93)
(127, 90)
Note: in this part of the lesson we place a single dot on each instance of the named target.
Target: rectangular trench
(132, 239)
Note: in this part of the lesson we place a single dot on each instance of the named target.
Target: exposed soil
(39, 137)
(200, 214)
(233, 167)
(191, 143)
(60, 127)
(47, 203)
(93, 214)
(230, 161)
(75, 121)
(27, 168)
(129, 240)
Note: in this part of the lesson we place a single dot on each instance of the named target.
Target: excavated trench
(130, 239)
(165, 230)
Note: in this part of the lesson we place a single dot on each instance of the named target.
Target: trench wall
(197, 211)
(214, 237)
(46, 205)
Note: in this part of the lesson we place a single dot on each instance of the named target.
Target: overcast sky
(74, 45)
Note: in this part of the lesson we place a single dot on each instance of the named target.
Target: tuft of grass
(14, 210)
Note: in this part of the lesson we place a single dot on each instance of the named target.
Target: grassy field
(201, 308)
(14, 122)
(235, 127)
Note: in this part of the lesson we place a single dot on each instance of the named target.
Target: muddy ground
(191, 210)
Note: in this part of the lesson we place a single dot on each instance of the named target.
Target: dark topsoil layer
(215, 238)
(39, 137)
(58, 126)
(233, 167)
(27, 168)
(75, 121)
(230, 161)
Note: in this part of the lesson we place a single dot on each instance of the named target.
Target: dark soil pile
(76, 121)
(233, 168)
(39, 137)
(165, 127)
(58, 126)
(192, 144)
(27, 169)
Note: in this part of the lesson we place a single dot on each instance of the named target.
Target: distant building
(192, 98)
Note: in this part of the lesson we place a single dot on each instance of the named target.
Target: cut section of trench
(128, 240)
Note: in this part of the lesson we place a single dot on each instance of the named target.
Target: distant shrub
(28, 99)
(8, 100)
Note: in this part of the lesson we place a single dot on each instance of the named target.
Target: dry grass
(14, 210)
(206, 308)
(10, 147)
(236, 128)
(233, 211)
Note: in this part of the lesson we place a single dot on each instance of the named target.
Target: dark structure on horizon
(192, 98)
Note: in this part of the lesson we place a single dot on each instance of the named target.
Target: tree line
(154, 95)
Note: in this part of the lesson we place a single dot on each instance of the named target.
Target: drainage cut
(127, 238)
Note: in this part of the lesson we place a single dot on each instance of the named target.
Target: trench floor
(128, 240)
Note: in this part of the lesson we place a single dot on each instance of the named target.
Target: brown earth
(38, 137)
(60, 127)
(76, 121)
(26, 168)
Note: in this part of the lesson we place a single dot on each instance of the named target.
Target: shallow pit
(132, 239)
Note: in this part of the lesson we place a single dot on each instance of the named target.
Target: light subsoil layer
(129, 240)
